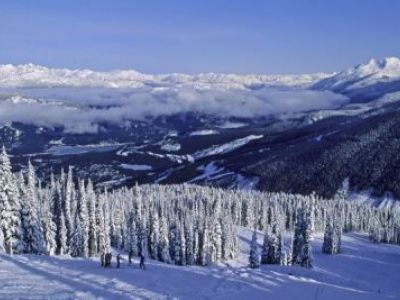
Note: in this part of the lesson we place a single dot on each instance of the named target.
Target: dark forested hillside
(366, 152)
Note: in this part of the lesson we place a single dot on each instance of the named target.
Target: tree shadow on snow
(158, 281)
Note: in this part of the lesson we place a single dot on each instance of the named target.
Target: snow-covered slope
(203, 132)
(343, 276)
(374, 78)
(226, 148)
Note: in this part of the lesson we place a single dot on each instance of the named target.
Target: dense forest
(181, 224)
(364, 150)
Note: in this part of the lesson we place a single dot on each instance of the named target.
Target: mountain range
(294, 133)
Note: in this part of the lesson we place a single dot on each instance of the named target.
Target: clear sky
(240, 36)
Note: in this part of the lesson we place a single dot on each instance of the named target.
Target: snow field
(362, 271)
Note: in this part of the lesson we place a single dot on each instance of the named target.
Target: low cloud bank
(81, 109)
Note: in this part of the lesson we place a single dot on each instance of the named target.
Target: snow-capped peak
(386, 66)
(375, 71)
(29, 75)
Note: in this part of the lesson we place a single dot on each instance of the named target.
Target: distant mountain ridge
(375, 70)
(36, 75)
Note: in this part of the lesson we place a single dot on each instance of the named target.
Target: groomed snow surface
(362, 271)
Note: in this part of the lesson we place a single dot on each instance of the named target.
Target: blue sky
(240, 36)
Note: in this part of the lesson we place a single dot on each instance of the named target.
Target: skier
(130, 255)
(103, 259)
(118, 260)
(108, 259)
(142, 259)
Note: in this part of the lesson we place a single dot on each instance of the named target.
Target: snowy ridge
(136, 167)
(31, 75)
(203, 132)
(372, 72)
(227, 147)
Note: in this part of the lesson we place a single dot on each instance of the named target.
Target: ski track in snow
(362, 271)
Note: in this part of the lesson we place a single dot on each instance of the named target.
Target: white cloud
(79, 100)
(80, 110)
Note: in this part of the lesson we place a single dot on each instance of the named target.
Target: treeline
(180, 224)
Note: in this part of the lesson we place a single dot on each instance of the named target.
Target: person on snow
(108, 259)
(130, 256)
(142, 259)
(103, 259)
(118, 260)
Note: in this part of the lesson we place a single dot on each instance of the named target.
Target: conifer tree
(133, 234)
(32, 227)
(92, 226)
(68, 199)
(154, 234)
(2, 248)
(254, 256)
(10, 218)
(302, 251)
(204, 250)
(264, 249)
(107, 236)
(100, 224)
(164, 242)
(328, 244)
(62, 235)
(49, 226)
(80, 236)
(190, 256)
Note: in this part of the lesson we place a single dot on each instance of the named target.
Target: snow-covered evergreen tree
(77, 247)
(32, 227)
(49, 226)
(271, 249)
(92, 226)
(62, 235)
(68, 200)
(254, 256)
(217, 241)
(204, 249)
(229, 238)
(100, 227)
(302, 251)
(328, 244)
(332, 237)
(164, 242)
(2, 248)
(132, 234)
(80, 236)
(143, 238)
(189, 237)
(154, 234)
(107, 236)
(264, 248)
(10, 218)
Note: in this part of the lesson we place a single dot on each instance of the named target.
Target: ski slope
(363, 271)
